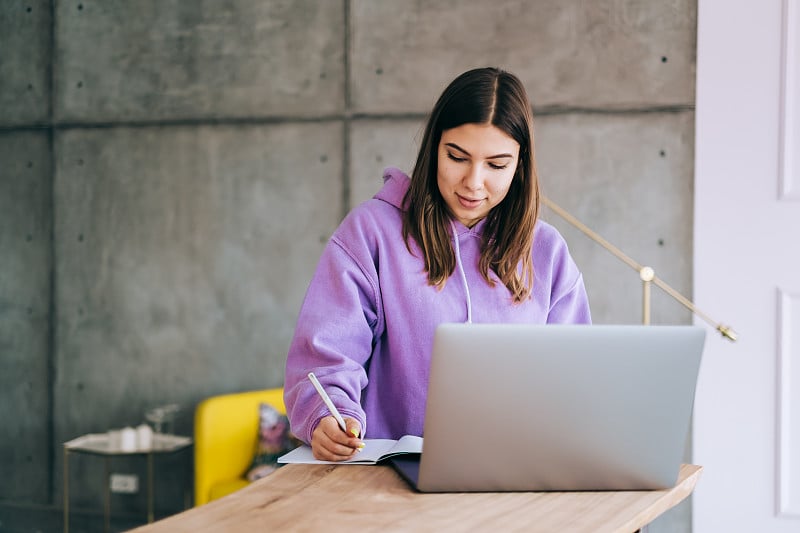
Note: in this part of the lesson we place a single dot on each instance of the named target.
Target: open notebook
(375, 451)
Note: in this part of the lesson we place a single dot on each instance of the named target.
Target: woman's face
(476, 165)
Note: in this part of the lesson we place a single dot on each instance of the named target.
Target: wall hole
(661, 242)
(663, 59)
(662, 153)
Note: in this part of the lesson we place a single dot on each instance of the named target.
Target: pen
(327, 400)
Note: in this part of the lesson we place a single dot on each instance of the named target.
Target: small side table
(99, 444)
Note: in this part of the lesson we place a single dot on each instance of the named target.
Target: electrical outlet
(124, 483)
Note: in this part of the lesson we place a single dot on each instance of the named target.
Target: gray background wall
(170, 171)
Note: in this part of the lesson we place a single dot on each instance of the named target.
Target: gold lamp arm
(646, 273)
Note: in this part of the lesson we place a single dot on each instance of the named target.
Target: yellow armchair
(225, 436)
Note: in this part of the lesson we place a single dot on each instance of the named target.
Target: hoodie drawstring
(461, 270)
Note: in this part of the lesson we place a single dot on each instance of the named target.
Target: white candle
(128, 440)
(144, 437)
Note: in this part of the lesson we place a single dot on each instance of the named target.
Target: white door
(747, 265)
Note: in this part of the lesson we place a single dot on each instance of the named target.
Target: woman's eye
(456, 159)
(498, 167)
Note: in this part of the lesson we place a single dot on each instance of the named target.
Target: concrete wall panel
(26, 244)
(615, 54)
(25, 51)
(629, 178)
(377, 144)
(182, 258)
(157, 59)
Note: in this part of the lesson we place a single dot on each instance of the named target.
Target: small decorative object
(274, 440)
(163, 417)
(144, 437)
(127, 441)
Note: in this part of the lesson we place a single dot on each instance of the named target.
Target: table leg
(107, 490)
(66, 490)
(150, 513)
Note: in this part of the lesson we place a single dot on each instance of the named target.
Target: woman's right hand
(330, 443)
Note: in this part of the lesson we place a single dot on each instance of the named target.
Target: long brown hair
(479, 96)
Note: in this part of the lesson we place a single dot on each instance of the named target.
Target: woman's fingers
(330, 443)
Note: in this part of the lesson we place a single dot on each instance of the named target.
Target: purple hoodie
(367, 322)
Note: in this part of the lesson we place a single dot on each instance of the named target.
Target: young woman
(458, 241)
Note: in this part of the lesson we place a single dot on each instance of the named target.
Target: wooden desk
(374, 498)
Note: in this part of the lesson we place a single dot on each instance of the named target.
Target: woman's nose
(473, 179)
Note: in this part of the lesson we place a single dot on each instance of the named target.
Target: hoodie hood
(395, 185)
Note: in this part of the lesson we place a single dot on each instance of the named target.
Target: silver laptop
(556, 408)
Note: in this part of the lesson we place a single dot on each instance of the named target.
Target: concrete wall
(170, 171)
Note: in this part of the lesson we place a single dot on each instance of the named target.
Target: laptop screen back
(558, 407)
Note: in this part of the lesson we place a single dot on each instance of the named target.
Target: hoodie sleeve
(333, 338)
(570, 306)
(568, 301)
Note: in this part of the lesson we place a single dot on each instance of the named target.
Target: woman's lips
(468, 202)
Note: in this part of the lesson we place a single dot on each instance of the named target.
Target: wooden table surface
(353, 498)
